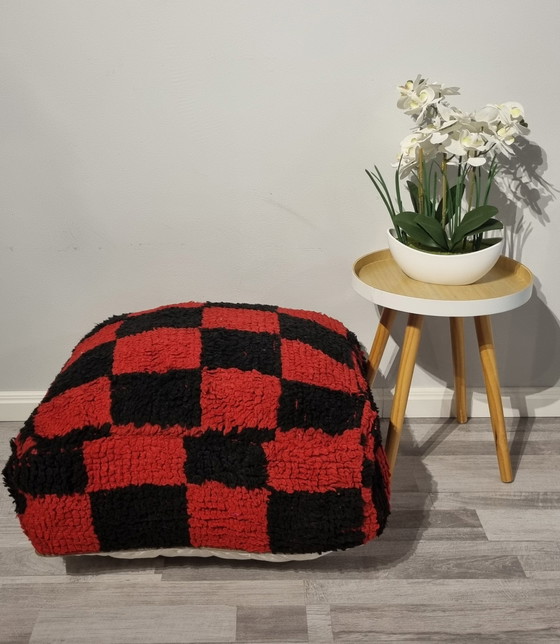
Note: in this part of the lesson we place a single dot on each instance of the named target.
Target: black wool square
(176, 317)
(74, 439)
(91, 365)
(301, 522)
(244, 350)
(165, 399)
(316, 335)
(107, 322)
(141, 516)
(380, 496)
(55, 470)
(303, 405)
(226, 459)
(251, 307)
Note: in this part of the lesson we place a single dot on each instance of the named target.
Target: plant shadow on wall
(522, 194)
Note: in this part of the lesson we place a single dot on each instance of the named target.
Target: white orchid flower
(447, 113)
(438, 137)
(411, 143)
(415, 103)
(489, 114)
(476, 161)
(448, 136)
(474, 141)
(454, 147)
(418, 95)
(506, 134)
(511, 111)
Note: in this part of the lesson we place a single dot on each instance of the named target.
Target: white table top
(377, 277)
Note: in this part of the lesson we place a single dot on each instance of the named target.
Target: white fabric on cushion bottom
(210, 552)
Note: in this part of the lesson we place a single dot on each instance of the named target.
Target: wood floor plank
(16, 624)
(271, 623)
(319, 626)
(424, 622)
(523, 524)
(423, 566)
(392, 550)
(501, 499)
(477, 447)
(434, 524)
(22, 562)
(120, 593)
(542, 562)
(149, 580)
(442, 592)
(414, 427)
(479, 474)
(133, 624)
(100, 565)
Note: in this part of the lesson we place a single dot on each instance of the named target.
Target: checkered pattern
(204, 425)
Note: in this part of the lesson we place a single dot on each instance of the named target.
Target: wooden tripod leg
(490, 371)
(404, 378)
(458, 352)
(380, 342)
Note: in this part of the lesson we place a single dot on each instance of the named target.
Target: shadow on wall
(521, 194)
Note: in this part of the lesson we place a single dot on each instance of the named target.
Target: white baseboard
(437, 402)
(17, 405)
(423, 402)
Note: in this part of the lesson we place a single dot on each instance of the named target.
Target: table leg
(380, 342)
(402, 389)
(490, 371)
(458, 352)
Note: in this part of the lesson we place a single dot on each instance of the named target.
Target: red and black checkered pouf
(210, 425)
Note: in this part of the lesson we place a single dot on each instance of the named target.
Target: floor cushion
(229, 427)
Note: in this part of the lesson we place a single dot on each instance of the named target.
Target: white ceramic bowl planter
(436, 268)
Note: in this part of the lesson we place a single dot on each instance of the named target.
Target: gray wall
(154, 152)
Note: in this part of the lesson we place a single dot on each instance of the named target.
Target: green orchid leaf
(439, 211)
(433, 227)
(405, 221)
(454, 196)
(413, 192)
(491, 224)
(471, 221)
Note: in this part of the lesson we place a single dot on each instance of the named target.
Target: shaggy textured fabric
(205, 425)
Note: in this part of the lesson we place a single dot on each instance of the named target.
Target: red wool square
(368, 420)
(223, 517)
(106, 334)
(118, 461)
(60, 525)
(158, 351)
(88, 404)
(234, 398)
(308, 460)
(302, 362)
(320, 318)
(370, 525)
(240, 320)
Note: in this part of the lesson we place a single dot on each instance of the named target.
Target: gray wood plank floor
(465, 558)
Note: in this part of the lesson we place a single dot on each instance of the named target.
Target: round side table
(508, 285)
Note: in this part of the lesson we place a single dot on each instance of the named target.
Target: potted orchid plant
(448, 164)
